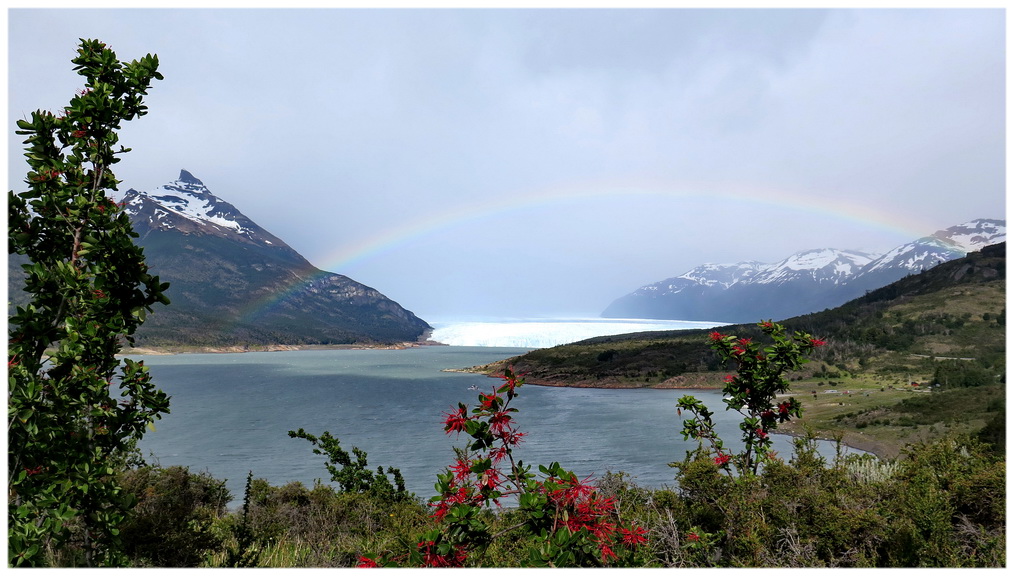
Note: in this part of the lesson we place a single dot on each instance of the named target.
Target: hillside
(954, 309)
(943, 330)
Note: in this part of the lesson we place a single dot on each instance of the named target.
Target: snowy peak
(704, 276)
(186, 205)
(822, 265)
(724, 275)
(975, 235)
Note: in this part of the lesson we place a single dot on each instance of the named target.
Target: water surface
(231, 413)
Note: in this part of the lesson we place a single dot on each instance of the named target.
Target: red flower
(722, 459)
(730, 378)
(455, 421)
(767, 324)
(761, 433)
(817, 343)
(365, 562)
(607, 553)
(783, 408)
(490, 479)
(488, 400)
(512, 438)
(432, 558)
(461, 470)
(717, 336)
(500, 424)
(34, 471)
(693, 537)
(634, 536)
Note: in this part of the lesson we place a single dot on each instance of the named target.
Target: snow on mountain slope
(943, 245)
(186, 205)
(705, 275)
(820, 265)
(975, 235)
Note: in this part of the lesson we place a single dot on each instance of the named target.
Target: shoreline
(245, 348)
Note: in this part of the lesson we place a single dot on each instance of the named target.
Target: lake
(231, 413)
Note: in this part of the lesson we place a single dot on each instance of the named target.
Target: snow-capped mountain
(233, 282)
(806, 281)
(823, 266)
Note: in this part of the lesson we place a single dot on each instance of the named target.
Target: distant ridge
(805, 282)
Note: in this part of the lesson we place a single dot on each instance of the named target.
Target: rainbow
(502, 207)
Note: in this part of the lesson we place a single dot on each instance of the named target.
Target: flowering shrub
(565, 521)
(74, 409)
(753, 392)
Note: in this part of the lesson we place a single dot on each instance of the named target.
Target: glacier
(546, 332)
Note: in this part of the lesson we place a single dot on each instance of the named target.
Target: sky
(525, 163)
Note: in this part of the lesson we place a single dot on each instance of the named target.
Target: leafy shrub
(171, 525)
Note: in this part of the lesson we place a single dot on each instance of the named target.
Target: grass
(883, 414)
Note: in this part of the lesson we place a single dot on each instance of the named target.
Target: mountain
(804, 282)
(234, 283)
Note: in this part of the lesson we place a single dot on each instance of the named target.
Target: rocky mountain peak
(189, 178)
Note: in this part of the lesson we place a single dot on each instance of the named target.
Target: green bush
(942, 504)
(171, 525)
(321, 527)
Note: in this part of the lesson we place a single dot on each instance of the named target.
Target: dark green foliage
(329, 529)
(74, 410)
(947, 507)
(994, 434)
(353, 476)
(171, 525)
(962, 374)
(247, 552)
(941, 505)
(619, 359)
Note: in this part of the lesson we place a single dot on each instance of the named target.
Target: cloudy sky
(522, 163)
